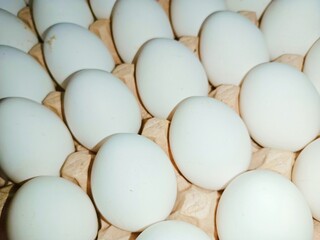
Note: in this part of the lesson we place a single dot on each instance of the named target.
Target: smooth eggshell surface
(166, 73)
(20, 35)
(69, 48)
(306, 176)
(46, 13)
(97, 104)
(187, 16)
(34, 141)
(12, 6)
(263, 205)
(51, 208)
(280, 106)
(102, 8)
(230, 45)
(22, 76)
(209, 142)
(291, 26)
(173, 230)
(135, 22)
(248, 5)
(133, 182)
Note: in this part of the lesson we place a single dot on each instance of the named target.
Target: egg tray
(194, 204)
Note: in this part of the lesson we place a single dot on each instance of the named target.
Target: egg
(51, 208)
(46, 13)
(305, 175)
(69, 48)
(12, 6)
(136, 22)
(133, 182)
(248, 5)
(173, 230)
(230, 45)
(102, 8)
(291, 27)
(187, 16)
(166, 73)
(280, 107)
(22, 76)
(33, 142)
(264, 205)
(209, 142)
(20, 36)
(110, 107)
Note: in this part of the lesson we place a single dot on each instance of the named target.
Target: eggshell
(102, 8)
(230, 45)
(263, 205)
(51, 208)
(280, 107)
(69, 48)
(46, 13)
(109, 105)
(306, 175)
(248, 5)
(12, 6)
(166, 73)
(209, 142)
(19, 36)
(187, 16)
(136, 22)
(22, 76)
(33, 141)
(133, 182)
(173, 230)
(291, 26)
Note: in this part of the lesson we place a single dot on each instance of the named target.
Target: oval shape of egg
(69, 48)
(209, 142)
(22, 76)
(187, 16)
(52, 207)
(230, 45)
(291, 27)
(33, 142)
(12, 6)
(173, 230)
(166, 73)
(102, 8)
(47, 13)
(280, 106)
(305, 176)
(136, 22)
(264, 205)
(110, 107)
(248, 5)
(133, 182)
(20, 35)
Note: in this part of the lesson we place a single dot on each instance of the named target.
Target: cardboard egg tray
(194, 204)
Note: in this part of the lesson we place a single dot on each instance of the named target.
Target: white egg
(187, 16)
(133, 182)
(19, 36)
(280, 106)
(291, 26)
(248, 5)
(51, 208)
(46, 13)
(306, 176)
(263, 205)
(136, 22)
(69, 48)
(173, 230)
(22, 76)
(33, 142)
(102, 8)
(166, 73)
(230, 45)
(209, 142)
(12, 6)
(97, 105)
